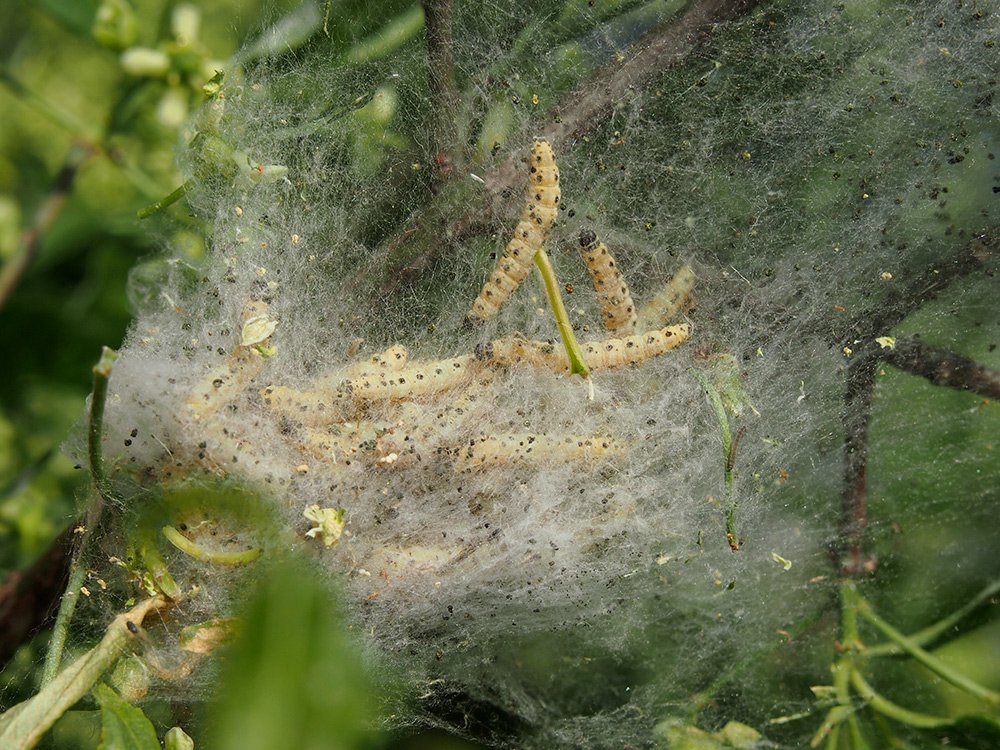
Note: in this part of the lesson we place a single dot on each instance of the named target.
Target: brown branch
(586, 108)
(929, 284)
(444, 92)
(28, 597)
(944, 368)
(857, 409)
(580, 112)
(938, 366)
(31, 238)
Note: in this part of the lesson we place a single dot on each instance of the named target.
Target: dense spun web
(809, 161)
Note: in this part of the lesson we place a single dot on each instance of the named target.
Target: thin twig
(931, 633)
(887, 708)
(862, 333)
(927, 659)
(31, 239)
(942, 367)
(444, 92)
(27, 722)
(856, 416)
(95, 509)
(580, 112)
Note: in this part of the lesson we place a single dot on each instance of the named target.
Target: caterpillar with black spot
(529, 235)
(333, 399)
(674, 297)
(392, 359)
(600, 355)
(617, 309)
(539, 448)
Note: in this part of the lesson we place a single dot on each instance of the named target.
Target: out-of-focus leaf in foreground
(294, 677)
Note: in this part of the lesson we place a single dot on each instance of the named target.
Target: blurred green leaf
(77, 16)
(294, 677)
(123, 727)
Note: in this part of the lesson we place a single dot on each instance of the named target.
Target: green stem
(843, 669)
(577, 365)
(719, 407)
(933, 632)
(191, 549)
(176, 195)
(99, 395)
(927, 659)
(95, 509)
(893, 711)
(24, 725)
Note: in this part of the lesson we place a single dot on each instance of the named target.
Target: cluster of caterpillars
(389, 411)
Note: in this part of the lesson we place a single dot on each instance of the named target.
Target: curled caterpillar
(529, 235)
(488, 451)
(617, 308)
(671, 299)
(600, 355)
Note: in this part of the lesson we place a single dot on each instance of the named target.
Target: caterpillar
(672, 298)
(392, 359)
(537, 218)
(600, 355)
(635, 349)
(617, 309)
(341, 442)
(490, 451)
(310, 406)
(417, 379)
(331, 400)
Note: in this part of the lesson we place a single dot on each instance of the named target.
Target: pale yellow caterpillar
(309, 406)
(491, 451)
(333, 399)
(600, 355)
(671, 299)
(392, 359)
(529, 235)
(341, 442)
(635, 349)
(617, 308)
(416, 379)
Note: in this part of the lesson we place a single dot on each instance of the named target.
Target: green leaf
(293, 677)
(177, 739)
(123, 727)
